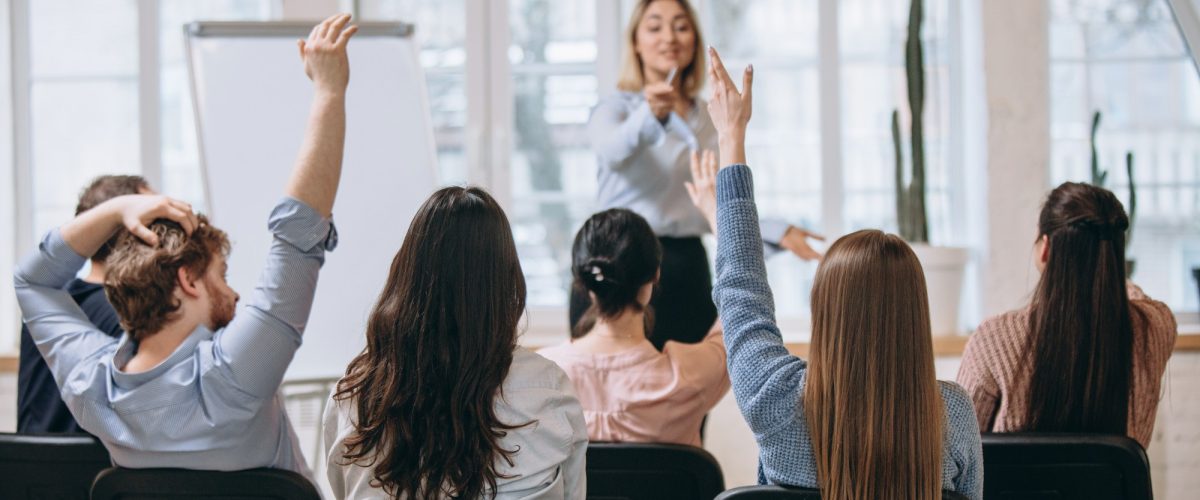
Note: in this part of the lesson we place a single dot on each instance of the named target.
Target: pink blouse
(642, 395)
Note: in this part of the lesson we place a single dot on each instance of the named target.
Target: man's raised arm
(318, 169)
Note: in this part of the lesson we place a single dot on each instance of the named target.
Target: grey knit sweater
(769, 382)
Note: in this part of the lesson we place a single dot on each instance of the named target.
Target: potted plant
(1099, 178)
(944, 266)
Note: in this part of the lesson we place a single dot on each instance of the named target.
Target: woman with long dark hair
(866, 418)
(629, 390)
(442, 403)
(1088, 353)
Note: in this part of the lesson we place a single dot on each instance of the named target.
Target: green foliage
(1100, 176)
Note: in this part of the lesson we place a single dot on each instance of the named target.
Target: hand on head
(324, 53)
(729, 109)
(703, 186)
(139, 210)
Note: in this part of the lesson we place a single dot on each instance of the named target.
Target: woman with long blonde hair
(643, 137)
(865, 418)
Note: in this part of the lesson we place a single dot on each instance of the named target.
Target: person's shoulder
(620, 99)
(959, 410)
(1001, 329)
(531, 370)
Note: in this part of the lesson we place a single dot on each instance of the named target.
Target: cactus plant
(1100, 176)
(910, 199)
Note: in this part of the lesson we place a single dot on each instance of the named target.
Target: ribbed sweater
(768, 381)
(995, 374)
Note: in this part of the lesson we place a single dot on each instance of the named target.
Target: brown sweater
(997, 377)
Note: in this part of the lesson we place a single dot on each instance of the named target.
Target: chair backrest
(180, 484)
(49, 466)
(774, 492)
(644, 471)
(1040, 466)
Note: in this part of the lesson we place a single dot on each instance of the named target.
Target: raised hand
(324, 53)
(703, 186)
(729, 109)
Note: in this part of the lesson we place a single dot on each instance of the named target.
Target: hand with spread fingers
(730, 109)
(324, 53)
(703, 186)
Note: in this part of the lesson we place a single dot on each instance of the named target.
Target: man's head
(184, 275)
(104, 188)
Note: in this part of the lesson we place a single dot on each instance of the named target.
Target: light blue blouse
(642, 164)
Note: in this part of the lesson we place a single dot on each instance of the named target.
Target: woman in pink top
(629, 390)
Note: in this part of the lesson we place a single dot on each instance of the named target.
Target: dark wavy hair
(1081, 332)
(141, 279)
(440, 341)
(614, 255)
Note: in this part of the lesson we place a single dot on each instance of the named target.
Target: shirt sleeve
(763, 373)
(58, 326)
(254, 351)
(616, 132)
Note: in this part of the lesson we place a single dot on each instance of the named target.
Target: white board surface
(252, 103)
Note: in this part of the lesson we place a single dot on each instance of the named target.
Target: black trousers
(683, 306)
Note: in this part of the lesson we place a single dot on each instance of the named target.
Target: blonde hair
(872, 401)
(632, 79)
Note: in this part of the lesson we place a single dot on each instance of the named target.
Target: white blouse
(550, 463)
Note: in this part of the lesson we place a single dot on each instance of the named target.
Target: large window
(511, 85)
(1126, 59)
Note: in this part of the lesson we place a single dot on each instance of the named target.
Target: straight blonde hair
(872, 401)
(632, 78)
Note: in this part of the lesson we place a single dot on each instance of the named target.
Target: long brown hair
(632, 77)
(1081, 333)
(439, 345)
(872, 401)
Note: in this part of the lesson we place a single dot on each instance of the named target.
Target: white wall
(1016, 58)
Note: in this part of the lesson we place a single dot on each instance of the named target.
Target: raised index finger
(719, 67)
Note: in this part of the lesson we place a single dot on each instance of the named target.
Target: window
(1126, 59)
(539, 67)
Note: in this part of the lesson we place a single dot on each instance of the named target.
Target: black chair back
(643, 471)
(49, 466)
(787, 493)
(180, 484)
(1064, 467)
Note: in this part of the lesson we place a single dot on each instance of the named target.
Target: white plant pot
(944, 268)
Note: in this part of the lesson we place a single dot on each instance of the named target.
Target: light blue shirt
(213, 404)
(642, 164)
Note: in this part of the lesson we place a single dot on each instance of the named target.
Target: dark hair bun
(614, 255)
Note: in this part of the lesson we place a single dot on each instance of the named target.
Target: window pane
(784, 142)
(80, 130)
(70, 38)
(441, 35)
(1126, 59)
(553, 53)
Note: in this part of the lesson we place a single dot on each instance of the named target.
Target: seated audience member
(40, 408)
(442, 403)
(629, 390)
(866, 419)
(1088, 353)
(190, 385)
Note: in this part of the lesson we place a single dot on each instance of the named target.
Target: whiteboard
(251, 105)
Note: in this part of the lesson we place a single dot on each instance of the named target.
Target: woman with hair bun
(629, 390)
